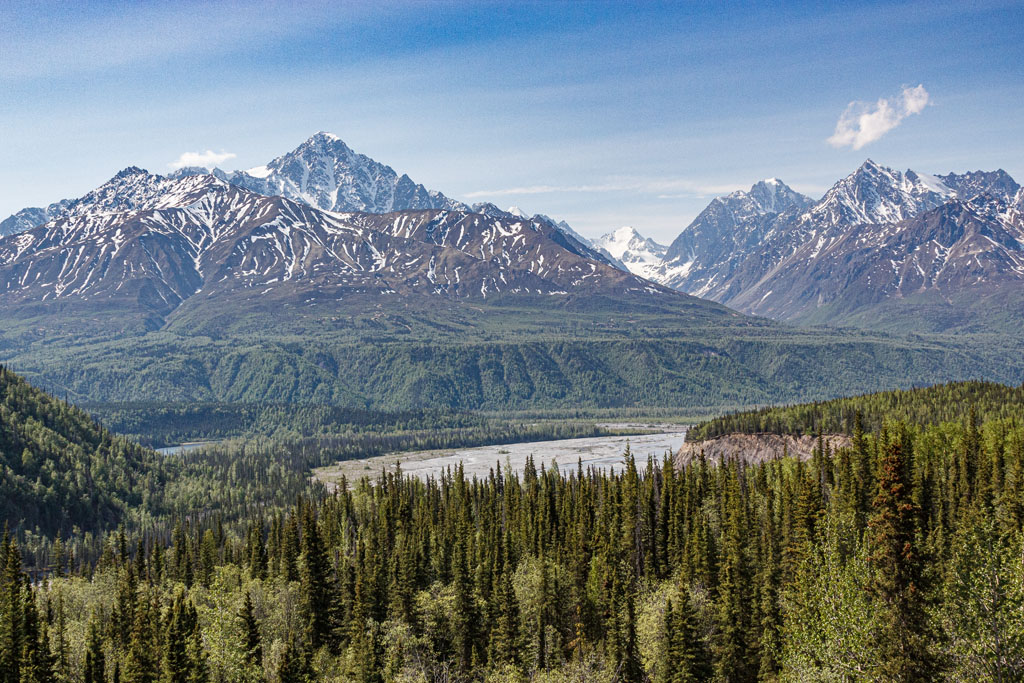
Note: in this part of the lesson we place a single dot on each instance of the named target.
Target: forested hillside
(338, 431)
(63, 475)
(60, 471)
(895, 559)
(921, 406)
(506, 360)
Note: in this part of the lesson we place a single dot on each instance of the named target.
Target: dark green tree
(904, 654)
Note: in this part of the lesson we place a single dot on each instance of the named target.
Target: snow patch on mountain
(327, 174)
(640, 255)
(876, 235)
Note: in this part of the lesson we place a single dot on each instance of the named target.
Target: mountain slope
(906, 251)
(714, 247)
(148, 245)
(638, 254)
(62, 471)
(594, 250)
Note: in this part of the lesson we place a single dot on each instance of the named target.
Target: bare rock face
(756, 448)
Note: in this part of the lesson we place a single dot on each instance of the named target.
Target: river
(602, 452)
(184, 447)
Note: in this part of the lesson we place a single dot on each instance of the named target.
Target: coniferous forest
(491, 341)
(900, 558)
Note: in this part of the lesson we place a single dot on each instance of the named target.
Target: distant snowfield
(602, 452)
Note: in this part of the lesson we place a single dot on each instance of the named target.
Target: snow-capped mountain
(874, 194)
(724, 234)
(31, 217)
(878, 239)
(639, 254)
(322, 172)
(326, 174)
(595, 251)
(148, 246)
(23, 220)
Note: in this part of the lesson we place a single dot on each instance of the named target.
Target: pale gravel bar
(602, 452)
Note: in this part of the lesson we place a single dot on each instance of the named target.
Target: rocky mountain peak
(774, 196)
(327, 174)
(996, 183)
(877, 194)
(638, 254)
(130, 171)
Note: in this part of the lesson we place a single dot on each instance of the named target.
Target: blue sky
(604, 114)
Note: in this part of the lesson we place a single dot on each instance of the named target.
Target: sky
(602, 114)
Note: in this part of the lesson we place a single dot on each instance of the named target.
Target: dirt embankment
(755, 448)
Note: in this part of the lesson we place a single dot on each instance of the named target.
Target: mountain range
(270, 285)
(150, 246)
(881, 249)
(322, 172)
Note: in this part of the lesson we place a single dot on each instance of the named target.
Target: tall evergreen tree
(142, 664)
(95, 659)
(251, 633)
(735, 658)
(315, 583)
(896, 574)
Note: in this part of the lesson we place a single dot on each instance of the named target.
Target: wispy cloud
(663, 188)
(209, 158)
(863, 122)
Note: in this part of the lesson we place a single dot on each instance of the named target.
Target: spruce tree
(688, 659)
(295, 666)
(95, 659)
(251, 633)
(11, 611)
(290, 549)
(735, 658)
(207, 557)
(36, 662)
(142, 664)
(315, 583)
(896, 574)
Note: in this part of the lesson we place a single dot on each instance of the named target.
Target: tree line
(64, 475)
(898, 558)
(920, 406)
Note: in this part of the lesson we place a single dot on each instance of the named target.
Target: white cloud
(209, 159)
(862, 122)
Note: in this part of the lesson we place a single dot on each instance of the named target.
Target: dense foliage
(505, 359)
(921, 406)
(62, 472)
(336, 432)
(159, 424)
(898, 558)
